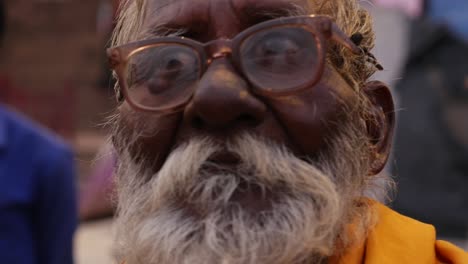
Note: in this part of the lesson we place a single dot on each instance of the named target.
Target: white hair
(185, 213)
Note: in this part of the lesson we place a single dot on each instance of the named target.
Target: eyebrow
(277, 10)
(164, 30)
(251, 14)
(159, 28)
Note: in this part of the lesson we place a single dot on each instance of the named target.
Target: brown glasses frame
(322, 28)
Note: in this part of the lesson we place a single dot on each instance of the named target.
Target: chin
(256, 204)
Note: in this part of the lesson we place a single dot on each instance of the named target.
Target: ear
(381, 124)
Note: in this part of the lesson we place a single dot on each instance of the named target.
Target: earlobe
(381, 124)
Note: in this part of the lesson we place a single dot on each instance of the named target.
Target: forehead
(213, 13)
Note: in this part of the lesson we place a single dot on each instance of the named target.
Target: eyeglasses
(278, 57)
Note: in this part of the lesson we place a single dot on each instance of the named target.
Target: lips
(249, 195)
(227, 158)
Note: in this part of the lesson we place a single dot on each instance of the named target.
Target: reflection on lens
(279, 59)
(163, 75)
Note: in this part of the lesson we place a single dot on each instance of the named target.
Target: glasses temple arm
(340, 37)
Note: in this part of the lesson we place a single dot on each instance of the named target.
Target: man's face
(223, 104)
(236, 177)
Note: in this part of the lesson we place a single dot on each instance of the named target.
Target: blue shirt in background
(454, 13)
(38, 214)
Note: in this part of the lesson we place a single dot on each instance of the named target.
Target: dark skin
(223, 104)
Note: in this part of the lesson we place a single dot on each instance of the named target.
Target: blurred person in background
(431, 147)
(453, 14)
(38, 213)
(248, 132)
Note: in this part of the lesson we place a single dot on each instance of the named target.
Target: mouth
(225, 159)
(249, 195)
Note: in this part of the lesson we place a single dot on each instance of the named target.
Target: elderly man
(248, 133)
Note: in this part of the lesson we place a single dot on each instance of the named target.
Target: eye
(276, 46)
(280, 58)
(162, 74)
(173, 64)
(172, 69)
(276, 50)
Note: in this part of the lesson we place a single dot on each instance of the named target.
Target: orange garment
(397, 239)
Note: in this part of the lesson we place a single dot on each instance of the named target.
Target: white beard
(157, 222)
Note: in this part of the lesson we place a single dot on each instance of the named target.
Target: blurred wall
(391, 44)
(53, 56)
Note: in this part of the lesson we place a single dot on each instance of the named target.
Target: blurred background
(53, 70)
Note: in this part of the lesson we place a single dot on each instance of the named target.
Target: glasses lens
(278, 59)
(162, 76)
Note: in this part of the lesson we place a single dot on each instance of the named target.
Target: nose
(222, 100)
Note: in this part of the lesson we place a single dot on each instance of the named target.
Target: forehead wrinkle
(170, 15)
(173, 17)
(294, 6)
(160, 4)
(157, 7)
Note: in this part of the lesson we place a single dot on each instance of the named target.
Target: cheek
(148, 137)
(311, 117)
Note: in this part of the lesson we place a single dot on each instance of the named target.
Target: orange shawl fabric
(397, 239)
